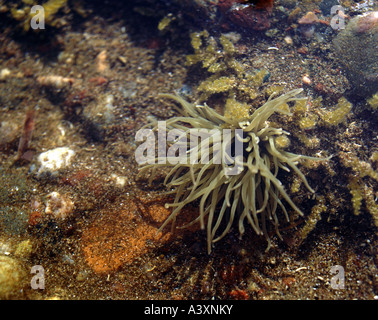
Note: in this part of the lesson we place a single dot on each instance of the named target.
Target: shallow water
(75, 220)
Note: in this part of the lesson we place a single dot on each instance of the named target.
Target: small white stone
(288, 40)
(306, 80)
(55, 159)
(58, 82)
(120, 181)
(4, 73)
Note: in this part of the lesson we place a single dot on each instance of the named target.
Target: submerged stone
(356, 50)
(12, 277)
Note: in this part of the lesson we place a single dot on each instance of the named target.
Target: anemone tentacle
(255, 193)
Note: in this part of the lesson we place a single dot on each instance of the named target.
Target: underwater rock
(59, 206)
(99, 114)
(53, 160)
(55, 81)
(254, 15)
(9, 131)
(24, 249)
(309, 18)
(119, 235)
(356, 50)
(12, 277)
(4, 73)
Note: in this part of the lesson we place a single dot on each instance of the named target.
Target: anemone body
(252, 195)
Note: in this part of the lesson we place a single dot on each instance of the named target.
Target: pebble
(59, 206)
(82, 275)
(309, 18)
(101, 62)
(4, 73)
(306, 80)
(54, 160)
(9, 131)
(55, 81)
(288, 40)
(24, 249)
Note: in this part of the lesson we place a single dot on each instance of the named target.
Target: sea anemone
(253, 192)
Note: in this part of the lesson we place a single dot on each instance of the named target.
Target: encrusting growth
(255, 192)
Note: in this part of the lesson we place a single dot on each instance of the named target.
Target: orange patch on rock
(122, 233)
